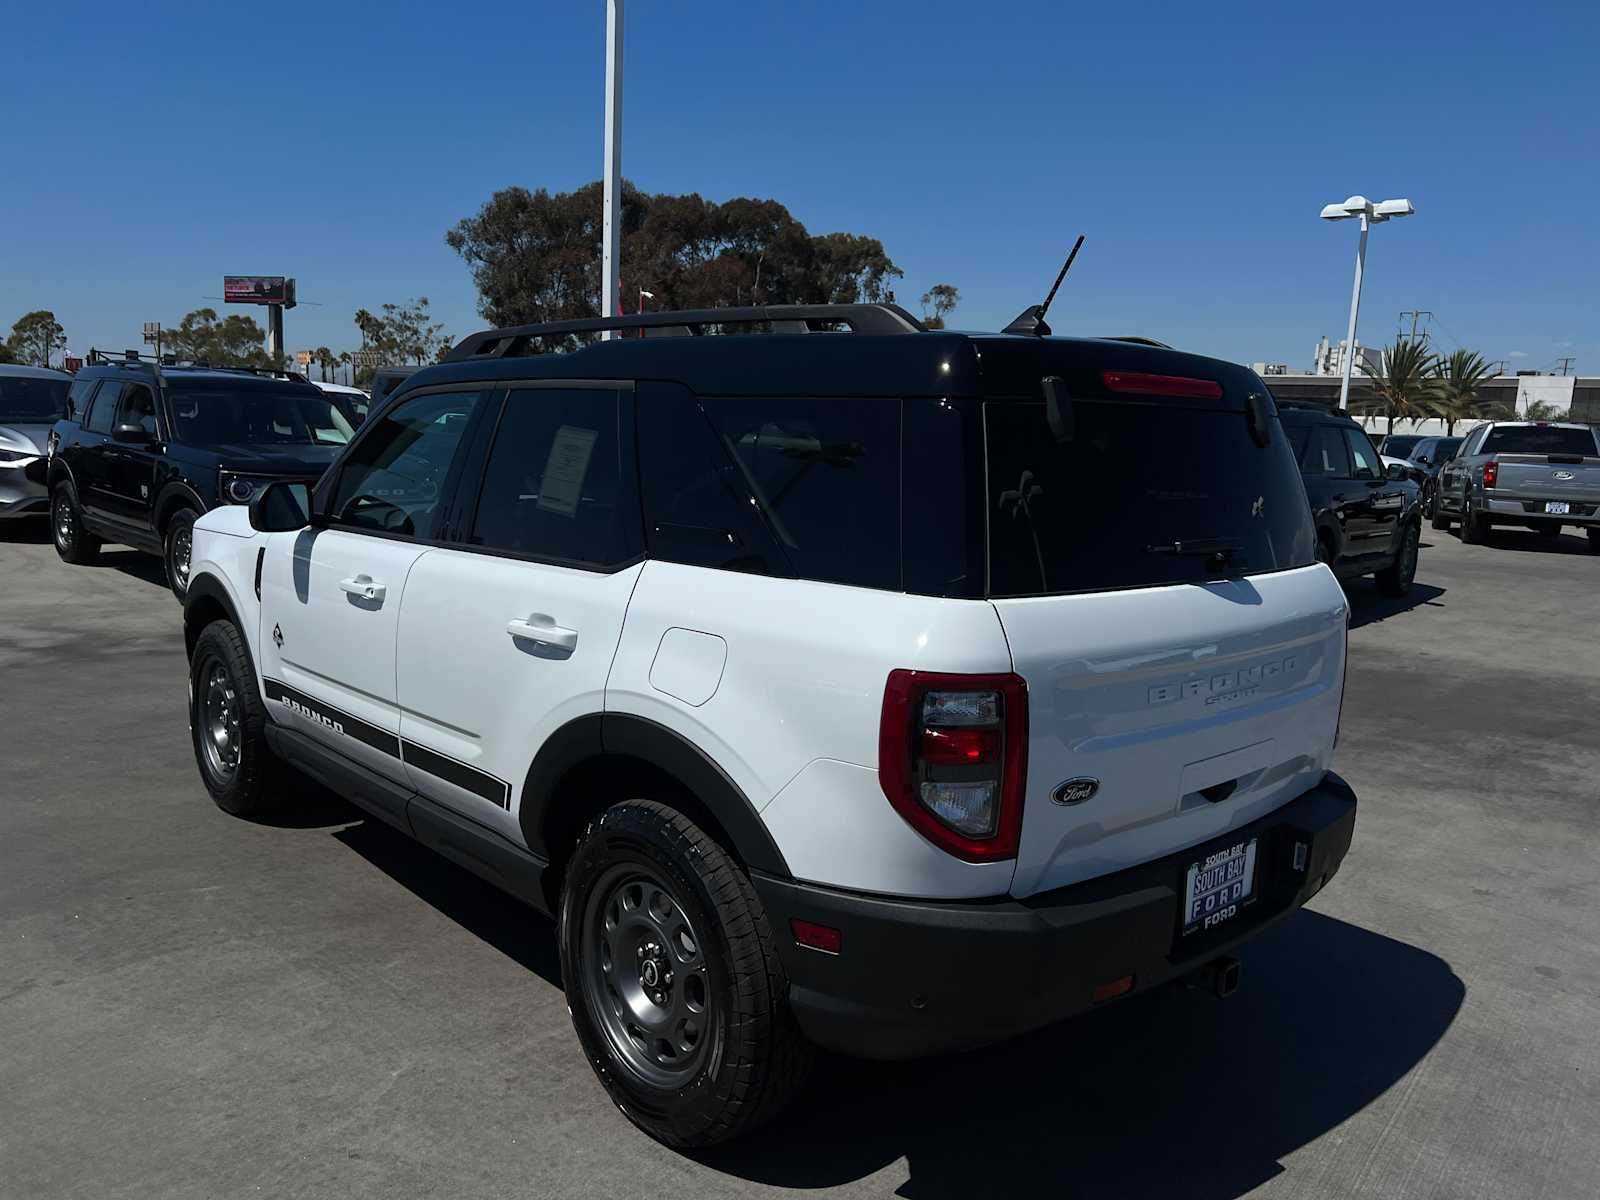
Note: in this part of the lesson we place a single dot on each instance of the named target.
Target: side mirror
(1394, 472)
(1421, 460)
(136, 435)
(281, 507)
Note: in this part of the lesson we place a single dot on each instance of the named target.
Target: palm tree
(1406, 385)
(1460, 378)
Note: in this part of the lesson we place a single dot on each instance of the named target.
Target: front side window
(137, 407)
(211, 414)
(25, 401)
(554, 487)
(105, 407)
(78, 398)
(825, 477)
(1364, 457)
(1141, 495)
(393, 480)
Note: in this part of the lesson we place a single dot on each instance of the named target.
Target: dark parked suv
(1368, 518)
(146, 448)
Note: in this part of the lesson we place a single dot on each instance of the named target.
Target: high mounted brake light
(1161, 385)
(952, 759)
(1491, 472)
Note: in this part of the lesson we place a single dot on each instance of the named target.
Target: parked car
(849, 685)
(1398, 445)
(1429, 456)
(145, 449)
(1368, 515)
(352, 401)
(32, 399)
(1537, 474)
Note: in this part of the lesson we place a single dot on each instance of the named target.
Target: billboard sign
(258, 289)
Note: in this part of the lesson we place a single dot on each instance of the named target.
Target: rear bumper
(918, 977)
(1528, 510)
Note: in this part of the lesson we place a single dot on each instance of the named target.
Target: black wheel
(674, 986)
(1396, 578)
(1437, 517)
(1594, 539)
(179, 549)
(1473, 527)
(74, 543)
(226, 722)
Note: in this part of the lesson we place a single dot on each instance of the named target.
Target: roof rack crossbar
(512, 342)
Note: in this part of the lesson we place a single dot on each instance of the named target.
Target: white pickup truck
(1537, 474)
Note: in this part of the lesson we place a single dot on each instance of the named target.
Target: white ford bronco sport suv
(838, 683)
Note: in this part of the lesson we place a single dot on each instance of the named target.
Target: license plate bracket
(1217, 886)
(1560, 508)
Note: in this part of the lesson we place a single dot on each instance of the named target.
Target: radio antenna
(1031, 320)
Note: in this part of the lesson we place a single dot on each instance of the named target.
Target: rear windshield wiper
(1223, 548)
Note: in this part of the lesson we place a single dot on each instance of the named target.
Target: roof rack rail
(512, 342)
(132, 358)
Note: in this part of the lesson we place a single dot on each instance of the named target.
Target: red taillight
(952, 759)
(816, 937)
(1161, 385)
(1491, 472)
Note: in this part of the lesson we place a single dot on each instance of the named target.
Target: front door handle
(544, 631)
(364, 586)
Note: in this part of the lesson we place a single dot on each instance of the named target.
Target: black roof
(886, 353)
(162, 373)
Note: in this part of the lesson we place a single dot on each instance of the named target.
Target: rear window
(1538, 439)
(255, 414)
(1112, 507)
(25, 401)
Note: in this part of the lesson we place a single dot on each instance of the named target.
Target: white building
(1329, 359)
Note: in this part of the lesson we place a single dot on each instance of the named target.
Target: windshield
(1538, 439)
(25, 401)
(1143, 495)
(257, 416)
(1400, 445)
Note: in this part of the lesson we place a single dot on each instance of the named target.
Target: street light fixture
(643, 296)
(1369, 214)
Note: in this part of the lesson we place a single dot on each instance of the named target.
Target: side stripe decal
(430, 762)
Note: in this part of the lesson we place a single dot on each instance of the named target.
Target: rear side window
(825, 476)
(1109, 508)
(553, 487)
(105, 407)
(1326, 453)
(1538, 439)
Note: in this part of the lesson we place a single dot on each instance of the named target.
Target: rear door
(330, 595)
(1374, 501)
(510, 633)
(1183, 653)
(90, 460)
(130, 468)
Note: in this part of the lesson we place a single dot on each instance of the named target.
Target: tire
(1437, 517)
(1473, 527)
(650, 901)
(1397, 577)
(74, 543)
(1594, 539)
(177, 550)
(227, 720)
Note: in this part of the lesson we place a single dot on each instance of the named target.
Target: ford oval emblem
(1075, 791)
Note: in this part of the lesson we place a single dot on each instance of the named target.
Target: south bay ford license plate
(1560, 507)
(1216, 887)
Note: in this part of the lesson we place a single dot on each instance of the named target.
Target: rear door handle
(364, 586)
(544, 631)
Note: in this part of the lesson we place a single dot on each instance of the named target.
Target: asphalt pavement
(196, 1006)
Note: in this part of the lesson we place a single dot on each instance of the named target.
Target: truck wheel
(1396, 578)
(1437, 517)
(74, 543)
(226, 722)
(676, 992)
(1473, 527)
(179, 548)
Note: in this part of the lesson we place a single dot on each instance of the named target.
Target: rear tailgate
(1193, 709)
(1548, 477)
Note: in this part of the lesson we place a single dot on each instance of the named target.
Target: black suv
(145, 448)
(1368, 517)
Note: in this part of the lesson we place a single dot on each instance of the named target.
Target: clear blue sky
(150, 148)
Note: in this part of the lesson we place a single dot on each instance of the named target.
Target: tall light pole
(611, 223)
(643, 296)
(1369, 214)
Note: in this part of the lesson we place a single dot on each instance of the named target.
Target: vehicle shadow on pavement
(25, 530)
(145, 567)
(1527, 542)
(520, 933)
(1368, 605)
(1170, 1094)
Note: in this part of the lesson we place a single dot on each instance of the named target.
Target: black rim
(643, 971)
(66, 527)
(178, 560)
(1408, 562)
